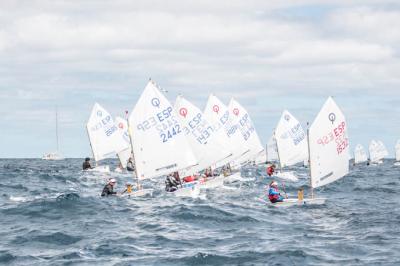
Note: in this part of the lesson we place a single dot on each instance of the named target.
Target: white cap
(274, 183)
(112, 180)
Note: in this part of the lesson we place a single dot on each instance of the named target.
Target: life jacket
(188, 178)
(270, 170)
(273, 197)
(171, 182)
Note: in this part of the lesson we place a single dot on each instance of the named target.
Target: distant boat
(54, 156)
(360, 155)
(397, 153)
(377, 152)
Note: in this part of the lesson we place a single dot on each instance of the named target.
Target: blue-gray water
(52, 214)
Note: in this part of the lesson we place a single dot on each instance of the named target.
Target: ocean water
(52, 214)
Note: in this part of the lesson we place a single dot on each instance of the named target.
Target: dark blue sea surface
(52, 214)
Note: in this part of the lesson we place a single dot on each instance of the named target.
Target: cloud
(270, 55)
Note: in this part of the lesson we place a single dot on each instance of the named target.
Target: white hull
(396, 164)
(192, 191)
(294, 202)
(378, 162)
(210, 183)
(52, 157)
(290, 176)
(139, 193)
(100, 169)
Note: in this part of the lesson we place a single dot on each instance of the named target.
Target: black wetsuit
(171, 184)
(130, 167)
(86, 165)
(108, 190)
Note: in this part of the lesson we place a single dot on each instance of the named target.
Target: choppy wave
(52, 214)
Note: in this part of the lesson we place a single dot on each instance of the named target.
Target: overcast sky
(269, 55)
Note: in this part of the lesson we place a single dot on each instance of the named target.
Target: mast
(133, 156)
(91, 147)
(277, 151)
(57, 129)
(309, 159)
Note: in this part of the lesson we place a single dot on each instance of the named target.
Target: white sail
(328, 145)
(272, 152)
(159, 144)
(244, 124)
(360, 155)
(291, 140)
(200, 135)
(377, 151)
(218, 116)
(104, 137)
(397, 151)
(126, 153)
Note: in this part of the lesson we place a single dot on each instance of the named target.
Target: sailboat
(291, 144)
(221, 120)
(328, 149)
(160, 146)
(217, 113)
(246, 128)
(204, 142)
(397, 153)
(105, 140)
(54, 156)
(126, 152)
(377, 152)
(360, 155)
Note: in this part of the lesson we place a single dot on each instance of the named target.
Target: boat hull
(190, 191)
(296, 202)
(99, 169)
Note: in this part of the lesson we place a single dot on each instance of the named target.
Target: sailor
(273, 193)
(189, 178)
(109, 188)
(86, 164)
(172, 181)
(129, 166)
(271, 170)
(208, 172)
